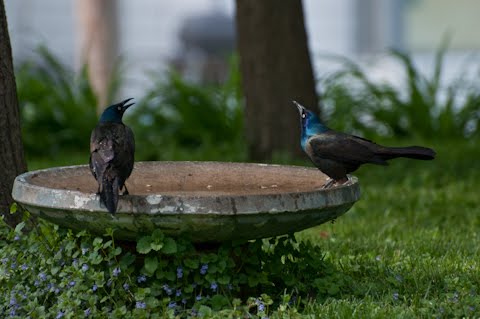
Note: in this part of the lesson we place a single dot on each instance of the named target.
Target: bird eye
(119, 108)
(303, 115)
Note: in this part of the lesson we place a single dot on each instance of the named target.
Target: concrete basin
(207, 201)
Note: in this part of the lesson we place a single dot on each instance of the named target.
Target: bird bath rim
(229, 201)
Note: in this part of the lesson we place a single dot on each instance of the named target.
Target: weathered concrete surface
(207, 201)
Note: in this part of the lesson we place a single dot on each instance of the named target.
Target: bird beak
(300, 108)
(124, 104)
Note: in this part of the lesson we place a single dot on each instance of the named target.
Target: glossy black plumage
(112, 151)
(337, 154)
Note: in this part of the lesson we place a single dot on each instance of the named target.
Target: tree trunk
(12, 160)
(98, 44)
(276, 69)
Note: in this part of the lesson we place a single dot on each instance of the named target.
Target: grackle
(112, 149)
(336, 154)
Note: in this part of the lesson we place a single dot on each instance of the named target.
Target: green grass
(416, 233)
(410, 248)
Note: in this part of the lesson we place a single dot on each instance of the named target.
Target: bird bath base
(206, 201)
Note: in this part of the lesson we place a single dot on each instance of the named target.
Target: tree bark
(12, 160)
(98, 44)
(276, 69)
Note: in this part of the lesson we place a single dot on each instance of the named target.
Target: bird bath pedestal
(207, 201)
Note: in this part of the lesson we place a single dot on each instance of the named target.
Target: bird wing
(101, 152)
(343, 148)
(125, 152)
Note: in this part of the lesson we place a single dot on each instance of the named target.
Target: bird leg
(125, 191)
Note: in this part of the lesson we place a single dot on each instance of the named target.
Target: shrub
(52, 272)
(420, 108)
(206, 122)
(57, 107)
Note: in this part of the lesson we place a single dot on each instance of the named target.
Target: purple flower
(42, 276)
(84, 251)
(4, 260)
(13, 301)
(72, 283)
(378, 258)
(36, 283)
(179, 272)
(172, 304)
(60, 314)
(94, 287)
(16, 238)
(126, 286)
(395, 296)
(141, 278)
(167, 289)
(178, 293)
(204, 269)
(74, 262)
(213, 286)
(184, 301)
(109, 282)
(24, 267)
(85, 267)
(399, 278)
(87, 312)
(198, 298)
(57, 291)
(140, 305)
(116, 271)
(261, 306)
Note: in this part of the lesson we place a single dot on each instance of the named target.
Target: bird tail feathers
(415, 152)
(109, 194)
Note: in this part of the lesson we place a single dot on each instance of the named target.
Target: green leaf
(191, 263)
(151, 264)
(19, 227)
(13, 208)
(144, 245)
(156, 246)
(157, 235)
(170, 246)
(127, 260)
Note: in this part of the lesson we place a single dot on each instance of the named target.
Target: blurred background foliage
(179, 120)
(422, 108)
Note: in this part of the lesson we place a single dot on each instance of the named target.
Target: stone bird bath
(208, 201)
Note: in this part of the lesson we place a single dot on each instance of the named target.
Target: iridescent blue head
(114, 113)
(310, 124)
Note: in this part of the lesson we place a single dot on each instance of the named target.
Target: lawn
(410, 248)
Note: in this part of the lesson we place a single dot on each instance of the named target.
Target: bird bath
(207, 201)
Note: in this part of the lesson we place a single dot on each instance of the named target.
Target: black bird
(336, 154)
(112, 149)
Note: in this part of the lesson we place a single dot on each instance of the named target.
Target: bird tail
(415, 152)
(109, 194)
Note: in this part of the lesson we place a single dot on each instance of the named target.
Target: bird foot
(125, 190)
(333, 182)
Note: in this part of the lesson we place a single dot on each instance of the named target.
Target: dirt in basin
(193, 178)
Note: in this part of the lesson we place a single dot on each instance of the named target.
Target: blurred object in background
(97, 37)
(207, 40)
(150, 34)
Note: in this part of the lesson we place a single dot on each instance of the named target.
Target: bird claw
(329, 184)
(333, 183)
